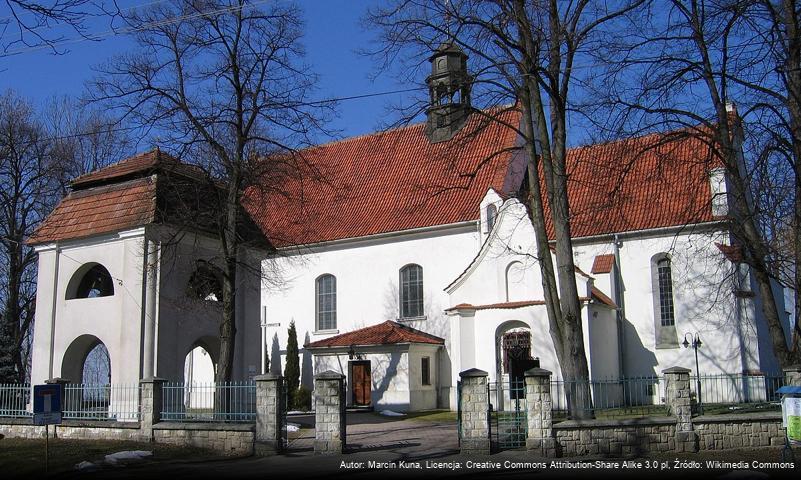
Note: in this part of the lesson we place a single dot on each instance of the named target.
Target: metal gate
(507, 414)
(284, 408)
(459, 411)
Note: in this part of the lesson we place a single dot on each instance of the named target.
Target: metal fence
(14, 399)
(102, 402)
(729, 393)
(507, 412)
(625, 397)
(209, 402)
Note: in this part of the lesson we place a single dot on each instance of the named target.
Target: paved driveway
(369, 432)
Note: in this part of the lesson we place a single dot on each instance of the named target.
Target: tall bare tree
(222, 83)
(27, 192)
(524, 51)
(29, 24)
(683, 66)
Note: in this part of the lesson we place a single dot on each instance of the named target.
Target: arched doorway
(199, 388)
(90, 395)
(513, 357)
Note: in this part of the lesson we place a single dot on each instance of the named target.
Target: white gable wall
(367, 276)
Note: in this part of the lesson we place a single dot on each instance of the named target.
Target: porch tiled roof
(387, 333)
(603, 263)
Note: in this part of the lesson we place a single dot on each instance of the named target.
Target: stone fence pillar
(150, 404)
(792, 375)
(677, 398)
(473, 403)
(329, 406)
(269, 414)
(540, 439)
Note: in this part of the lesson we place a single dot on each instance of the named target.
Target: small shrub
(301, 399)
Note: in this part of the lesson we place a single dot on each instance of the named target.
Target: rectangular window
(425, 369)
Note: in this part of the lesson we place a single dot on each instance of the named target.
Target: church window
(665, 293)
(425, 371)
(664, 305)
(326, 294)
(411, 291)
(91, 281)
(205, 283)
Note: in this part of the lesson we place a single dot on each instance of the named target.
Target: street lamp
(695, 342)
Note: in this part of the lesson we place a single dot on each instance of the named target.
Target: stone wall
(721, 432)
(22, 428)
(227, 439)
(615, 437)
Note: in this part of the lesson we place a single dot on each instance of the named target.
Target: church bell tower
(449, 91)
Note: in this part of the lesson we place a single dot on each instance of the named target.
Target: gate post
(539, 436)
(329, 415)
(474, 403)
(792, 375)
(677, 398)
(269, 415)
(151, 392)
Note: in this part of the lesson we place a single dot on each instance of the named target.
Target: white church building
(408, 258)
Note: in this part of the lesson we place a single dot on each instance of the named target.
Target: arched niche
(90, 280)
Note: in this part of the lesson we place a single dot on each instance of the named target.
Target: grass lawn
(26, 457)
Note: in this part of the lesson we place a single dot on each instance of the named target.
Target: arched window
(90, 281)
(205, 283)
(666, 314)
(411, 291)
(664, 311)
(515, 282)
(492, 213)
(326, 293)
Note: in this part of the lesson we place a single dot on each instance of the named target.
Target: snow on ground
(390, 413)
(292, 427)
(127, 457)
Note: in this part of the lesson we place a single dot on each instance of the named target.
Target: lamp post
(695, 342)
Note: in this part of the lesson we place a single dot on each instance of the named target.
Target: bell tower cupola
(449, 92)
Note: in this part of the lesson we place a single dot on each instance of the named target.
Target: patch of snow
(292, 427)
(390, 413)
(86, 466)
(126, 457)
(298, 412)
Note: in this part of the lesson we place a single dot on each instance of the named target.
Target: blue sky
(333, 35)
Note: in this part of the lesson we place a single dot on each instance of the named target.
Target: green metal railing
(507, 414)
(118, 402)
(209, 402)
(613, 398)
(14, 399)
(740, 393)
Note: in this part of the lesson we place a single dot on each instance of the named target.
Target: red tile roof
(389, 181)
(734, 253)
(658, 180)
(397, 180)
(139, 165)
(603, 263)
(387, 333)
(100, 210)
